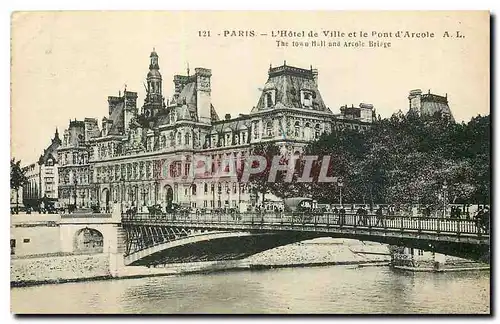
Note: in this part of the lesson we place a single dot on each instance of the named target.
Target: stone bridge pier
(95, 233)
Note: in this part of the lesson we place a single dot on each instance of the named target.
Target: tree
(406, 160)
(17, 179)
(260, 181)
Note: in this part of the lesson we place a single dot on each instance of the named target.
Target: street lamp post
(340, 184)
(219, 192)
(74, 193)
(123, 190)
(445, 187)
(144, 193)
(156, 191)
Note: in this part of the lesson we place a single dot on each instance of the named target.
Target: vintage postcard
(260, 162)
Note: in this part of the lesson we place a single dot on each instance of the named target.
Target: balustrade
(319, 220)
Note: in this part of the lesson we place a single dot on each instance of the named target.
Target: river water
(331, 289)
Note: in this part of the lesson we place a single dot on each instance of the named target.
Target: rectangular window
(26, 240)
(205, 204)
(12, 246)
(420, 252)
(212, 203)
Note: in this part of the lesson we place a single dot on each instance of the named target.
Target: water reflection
(335, 289)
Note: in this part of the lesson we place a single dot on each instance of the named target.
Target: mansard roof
(289, 81)
(51, 150)
(233, 124)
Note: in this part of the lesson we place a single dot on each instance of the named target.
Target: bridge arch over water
(177, 239)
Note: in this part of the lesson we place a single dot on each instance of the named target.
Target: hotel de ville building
(122, 160)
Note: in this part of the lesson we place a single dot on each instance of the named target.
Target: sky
(64, 65)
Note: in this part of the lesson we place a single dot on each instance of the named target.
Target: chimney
(203, 94)
(179, 83)
(104, 126)
(113, 102)
(130, 99)
(227, 117)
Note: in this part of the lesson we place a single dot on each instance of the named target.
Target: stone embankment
(66, 268)
(56, 269)
(321, 252)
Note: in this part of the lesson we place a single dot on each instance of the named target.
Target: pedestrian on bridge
(380, 216)
(362, 215)
(341, 215)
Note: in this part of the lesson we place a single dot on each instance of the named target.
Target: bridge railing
(407, 223)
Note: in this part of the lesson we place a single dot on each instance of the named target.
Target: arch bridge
(160, 239)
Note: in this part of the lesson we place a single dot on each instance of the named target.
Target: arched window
(317, 131)
(205, 188)
(193, 189)
(228, 139)
(297, 129)
(163, 141)
(256, 130)
(188, 138)
(269, 128)
(307, 131)
(179, 138)
(269, 100)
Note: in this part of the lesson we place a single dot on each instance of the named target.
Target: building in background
(74, 184)
(42, 175)
(429, 104)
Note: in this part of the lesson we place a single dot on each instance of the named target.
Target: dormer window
(269, 97)
(307, 98)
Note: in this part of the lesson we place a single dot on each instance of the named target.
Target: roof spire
(188, 68)
(284, 62)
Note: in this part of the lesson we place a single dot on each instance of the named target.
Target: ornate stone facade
(74, 167)
(126, 162)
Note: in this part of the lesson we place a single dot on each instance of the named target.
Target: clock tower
(154, 101)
